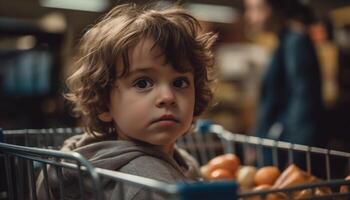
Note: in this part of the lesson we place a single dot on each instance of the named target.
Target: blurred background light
(83, 5)
(26, 42)
(213, 13)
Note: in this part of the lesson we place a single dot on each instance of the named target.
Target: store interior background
(38, 40)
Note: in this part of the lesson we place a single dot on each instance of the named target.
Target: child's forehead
(146, 49)
(145, 54)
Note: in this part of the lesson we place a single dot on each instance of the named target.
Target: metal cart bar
(181, 190)
(37, 154)
(234, 137)
(207, 127)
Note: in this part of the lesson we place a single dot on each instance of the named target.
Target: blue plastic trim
(203, 126)
(208, 191)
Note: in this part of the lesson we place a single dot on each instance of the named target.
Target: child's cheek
(141, 110)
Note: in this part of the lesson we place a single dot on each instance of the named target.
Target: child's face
(154, 103)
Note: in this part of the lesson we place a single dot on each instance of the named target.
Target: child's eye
(143, 84)
(182, 82)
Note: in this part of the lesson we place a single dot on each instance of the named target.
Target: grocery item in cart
(223, 167)
(266, 175)
(345, 188)
(294, 182)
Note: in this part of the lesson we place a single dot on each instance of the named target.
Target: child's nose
(166, 97)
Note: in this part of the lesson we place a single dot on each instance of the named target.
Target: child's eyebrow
(144, 69)
(140, 70)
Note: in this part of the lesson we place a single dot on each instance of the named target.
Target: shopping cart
(23, 162)
(233, 142)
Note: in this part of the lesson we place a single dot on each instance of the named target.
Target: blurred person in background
(290, 107)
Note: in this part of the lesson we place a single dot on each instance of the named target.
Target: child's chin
(161, 141)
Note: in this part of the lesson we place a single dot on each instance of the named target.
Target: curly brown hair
(174, 31)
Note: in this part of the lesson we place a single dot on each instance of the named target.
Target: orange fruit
(344, 188)
(221, 174)
(229, 162)
(266, 175)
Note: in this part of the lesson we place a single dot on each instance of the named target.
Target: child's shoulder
(134, 158)
(154, 167)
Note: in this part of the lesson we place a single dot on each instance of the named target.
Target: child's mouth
(166, 120)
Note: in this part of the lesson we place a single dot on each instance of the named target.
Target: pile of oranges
(228, 167)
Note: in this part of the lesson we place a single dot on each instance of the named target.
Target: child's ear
(105, 117)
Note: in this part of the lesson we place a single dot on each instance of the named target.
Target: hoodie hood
(108, 153)
(119, 155)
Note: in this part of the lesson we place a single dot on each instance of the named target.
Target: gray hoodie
(125, 156)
